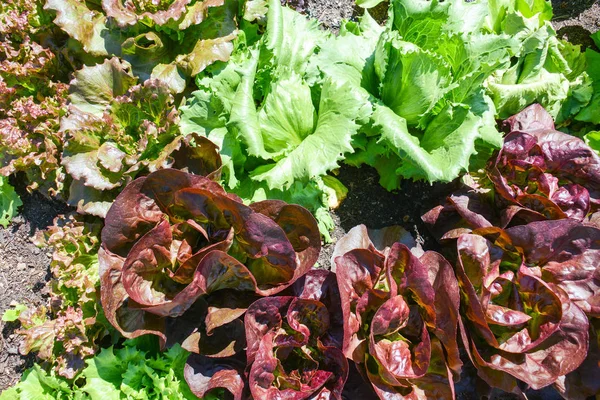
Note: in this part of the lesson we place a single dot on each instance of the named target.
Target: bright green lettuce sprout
(279, 131)
(441, 73)
(170, 40)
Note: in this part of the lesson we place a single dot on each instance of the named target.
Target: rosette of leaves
(539, 174)
(182, 259)
(401, 315)
(517, 324)
(117, 129)
(32, 95)
(278, 130)
(542, 173)
(438, 82)
(169, 40)
(294, 343)
(66, 331)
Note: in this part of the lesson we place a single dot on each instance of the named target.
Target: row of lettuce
(87, 107)
(231, 291)
(96, 94)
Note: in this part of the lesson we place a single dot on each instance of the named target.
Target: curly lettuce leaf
(67, 331)
(32, 95)
(127, 373)
(133, 374)
(170, 41)
(280, 129)
(38, 384)
(441, 73)
(116, 129)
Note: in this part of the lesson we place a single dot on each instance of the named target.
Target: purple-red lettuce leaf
(515, 325)
(401, 314)
(293, 350)
(206, 375)
(544, 172)
(568, 254)
(182, 259)
(583, 383)
(539, 174)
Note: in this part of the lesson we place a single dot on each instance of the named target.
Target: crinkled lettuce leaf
(130, 372)
(168, 40)
(280, 129)
(116, 129)
(33, 94)
(68, 329)
(441, 73)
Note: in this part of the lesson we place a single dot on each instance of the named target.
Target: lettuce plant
(33, 95)
(514, 322)
(437, 83)
(539, 174)
(182, 259)
(294, 343)
(543, 173)
(167, 40)
(279, 131)
(401, 315)
(128, 372)
(66, 331)
(116, 129)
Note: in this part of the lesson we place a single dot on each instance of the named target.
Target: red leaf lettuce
(182, 259)
(401, 314)
(294, 342)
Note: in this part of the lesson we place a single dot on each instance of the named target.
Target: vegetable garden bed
(81, 121)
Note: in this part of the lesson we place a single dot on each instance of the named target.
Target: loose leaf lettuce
(294, 343)
(279, 133)
(182, 259)
(401, 314)
(69, 328)
(114, 374)
(117, 129)
(514, 322)
(32, 95)
(539, 174)
(168, 40)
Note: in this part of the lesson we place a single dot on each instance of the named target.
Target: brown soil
(24, 271)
